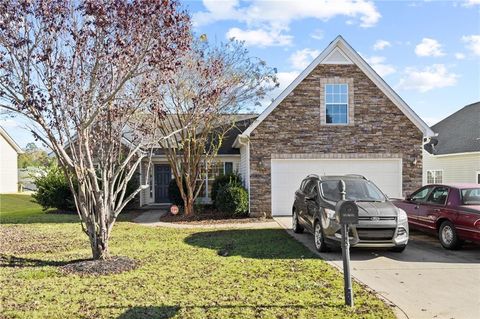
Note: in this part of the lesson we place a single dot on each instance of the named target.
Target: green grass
(266, 274)
(21, 209)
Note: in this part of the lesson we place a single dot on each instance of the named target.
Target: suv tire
(297, 228)
(318, 238)
(398, 249)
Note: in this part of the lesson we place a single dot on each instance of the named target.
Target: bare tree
(213, 83)
(82, 71)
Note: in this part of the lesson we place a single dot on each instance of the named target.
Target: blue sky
(428, 51)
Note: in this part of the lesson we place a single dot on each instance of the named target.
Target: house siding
(243, 165)
(456, 168)
(8, 167)
(379, 127)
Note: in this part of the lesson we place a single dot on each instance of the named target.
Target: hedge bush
(174, 193)
(222, 180)
(232, 199)
(53, 191)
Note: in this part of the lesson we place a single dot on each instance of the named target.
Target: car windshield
(471, 196)
(359, 190)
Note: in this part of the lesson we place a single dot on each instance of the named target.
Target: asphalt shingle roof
(460, 132)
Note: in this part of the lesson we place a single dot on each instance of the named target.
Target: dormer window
(336, 103)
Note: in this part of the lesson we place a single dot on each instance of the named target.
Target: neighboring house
(456, 156)
(338, 117)
(9, 151)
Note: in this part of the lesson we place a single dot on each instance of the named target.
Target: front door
(163, 176)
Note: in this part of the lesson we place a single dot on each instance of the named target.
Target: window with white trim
(434, 176)
(478, 177)
(336, 103)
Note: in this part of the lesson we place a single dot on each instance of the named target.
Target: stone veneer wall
(295, 127)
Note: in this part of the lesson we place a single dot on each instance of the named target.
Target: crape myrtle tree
(82, 71)
(213, 83)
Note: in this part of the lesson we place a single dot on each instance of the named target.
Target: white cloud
(473, 43)
(429, 47)
(379, 65)
(276, 16)
(381, 44)
(459, 56)
(302, 58)
(317, 34)
(259, 37)
(429, 78)
(469, 3)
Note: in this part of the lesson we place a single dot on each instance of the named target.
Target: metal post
(348, 291)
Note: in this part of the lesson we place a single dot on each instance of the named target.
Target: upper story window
(336, 103)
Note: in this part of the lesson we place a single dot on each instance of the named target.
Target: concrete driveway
(425, 281)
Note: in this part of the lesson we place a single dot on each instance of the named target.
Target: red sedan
(452, 211)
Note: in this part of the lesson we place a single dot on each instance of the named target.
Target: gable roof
(459, 132)
(340, 52)
(10, 141)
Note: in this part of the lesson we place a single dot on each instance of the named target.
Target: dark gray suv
(381, 224)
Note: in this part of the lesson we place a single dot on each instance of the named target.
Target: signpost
(347, 214)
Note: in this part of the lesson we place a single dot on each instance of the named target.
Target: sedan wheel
(318, 238)
(448, 236)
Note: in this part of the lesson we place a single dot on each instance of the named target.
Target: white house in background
(456, 157)
(9, 151)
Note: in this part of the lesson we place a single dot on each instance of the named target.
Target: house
(337, 117)
(9, 151)
(456, 156)
(227, 161)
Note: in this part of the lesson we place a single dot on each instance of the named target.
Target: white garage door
(287, 175)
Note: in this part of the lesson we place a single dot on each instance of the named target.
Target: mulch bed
(113, 265)
(209, 217)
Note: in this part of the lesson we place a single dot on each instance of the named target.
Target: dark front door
(162, 179)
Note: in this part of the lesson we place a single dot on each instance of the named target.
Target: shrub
(174, 193)
(232, 199)
(222, 180)
(53, 191)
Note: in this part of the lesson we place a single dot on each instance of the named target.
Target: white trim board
(341, 46)
(11, 141)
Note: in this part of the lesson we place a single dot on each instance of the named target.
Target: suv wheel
(297, 228)
(398, 249)
(448, 236)
(319, 239)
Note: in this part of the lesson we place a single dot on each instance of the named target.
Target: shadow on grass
(19, 262)
(250, 243)
(165, 312)
(160, 312)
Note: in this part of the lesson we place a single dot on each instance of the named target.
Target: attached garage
(287, 174)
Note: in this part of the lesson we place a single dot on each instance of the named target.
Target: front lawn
(188, 273)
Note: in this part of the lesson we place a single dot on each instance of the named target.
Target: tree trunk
(99, 248)
(189, 207)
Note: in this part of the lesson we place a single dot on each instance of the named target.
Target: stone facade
(296, 128)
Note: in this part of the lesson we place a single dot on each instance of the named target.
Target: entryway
(163, 175)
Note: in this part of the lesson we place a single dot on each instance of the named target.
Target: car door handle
(436, 210)
(417, 207)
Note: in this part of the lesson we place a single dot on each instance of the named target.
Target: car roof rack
(356, 175)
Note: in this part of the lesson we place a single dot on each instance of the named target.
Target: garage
(288, 173)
